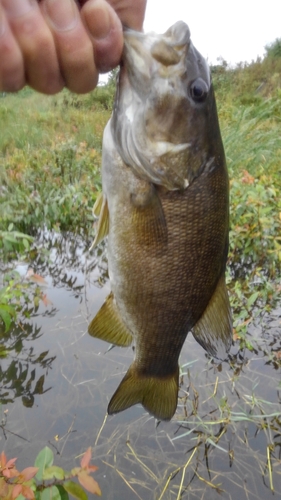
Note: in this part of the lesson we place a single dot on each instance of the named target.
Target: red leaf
(6, 473)
(11, 463)
(29, 473)
(27, 492)
(92, 468)
(35, 277)
(89, 483)
(3, 459)
(45, 300)
(86, 458)
(247, 178)
(17, 489)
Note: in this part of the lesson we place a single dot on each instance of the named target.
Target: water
(222, 442)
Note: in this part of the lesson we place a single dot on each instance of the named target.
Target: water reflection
(225, 439)
(22, 371)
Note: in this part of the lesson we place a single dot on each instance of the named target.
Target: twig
(182, 478)
(102, 426)
(268, 449)
(141, 463)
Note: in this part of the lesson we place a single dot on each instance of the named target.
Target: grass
(50, 155)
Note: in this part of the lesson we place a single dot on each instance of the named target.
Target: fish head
(165, 120)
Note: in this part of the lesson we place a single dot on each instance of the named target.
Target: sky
(236, 30)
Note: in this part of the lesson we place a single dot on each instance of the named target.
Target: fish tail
(158, 395)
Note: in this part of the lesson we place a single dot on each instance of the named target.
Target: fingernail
(98, 21)
(63, 14)
(18, 8)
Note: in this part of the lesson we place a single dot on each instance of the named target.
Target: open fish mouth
(142, 51)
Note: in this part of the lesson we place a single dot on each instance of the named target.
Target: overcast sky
(237, 30)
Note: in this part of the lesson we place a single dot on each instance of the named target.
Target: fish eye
(199, 90)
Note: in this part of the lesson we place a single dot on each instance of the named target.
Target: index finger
(74, 47)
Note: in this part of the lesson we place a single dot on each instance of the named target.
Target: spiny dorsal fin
(108, 325)
(101, 210)
(214, 329)
(159, 396)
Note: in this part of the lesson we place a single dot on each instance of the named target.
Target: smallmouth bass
(165, 209)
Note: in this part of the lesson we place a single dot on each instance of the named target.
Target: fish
(164, 208)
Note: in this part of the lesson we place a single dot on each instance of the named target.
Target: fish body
(165, 208)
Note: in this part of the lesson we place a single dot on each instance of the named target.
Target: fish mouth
(140, 50)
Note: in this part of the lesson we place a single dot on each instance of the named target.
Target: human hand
(58, 43)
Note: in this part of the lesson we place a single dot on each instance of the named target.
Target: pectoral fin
(214, 329)
(149, 220)
(101, 210)
(159, 396)
(108, 325)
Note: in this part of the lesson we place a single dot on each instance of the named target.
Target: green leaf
(63, 493)
(6, 318)
(252, 299)
(43, 460)
(26, 243)
(3, 351)
(54, 472)
(51, 493)
(9, 309)
(75, 490)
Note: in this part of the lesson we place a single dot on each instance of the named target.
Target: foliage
(46, 481)
(13, 242)
(253, 146)
(273, 49)
(249, 83)
(49, 170)
(20, 296)
(60, 185)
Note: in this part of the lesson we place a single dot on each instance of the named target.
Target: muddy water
(224, 441)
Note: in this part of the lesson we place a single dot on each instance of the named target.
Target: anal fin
(158, 395)
(108, 325)
(214, 329)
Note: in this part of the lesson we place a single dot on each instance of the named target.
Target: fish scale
(165, 209)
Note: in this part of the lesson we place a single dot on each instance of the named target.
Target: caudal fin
(159, 396)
